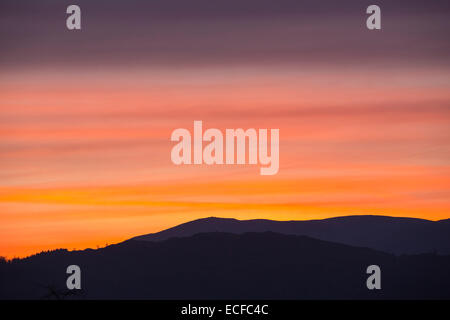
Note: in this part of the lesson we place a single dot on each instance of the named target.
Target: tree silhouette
(55, 293)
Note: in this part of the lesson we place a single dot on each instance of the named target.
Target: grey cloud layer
(201, 32)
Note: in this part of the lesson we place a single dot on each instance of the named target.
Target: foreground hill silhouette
(217, 265)
(389, 234)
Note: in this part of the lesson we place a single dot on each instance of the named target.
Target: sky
(86, 116)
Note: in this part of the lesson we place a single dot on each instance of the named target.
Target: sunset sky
(86, 116)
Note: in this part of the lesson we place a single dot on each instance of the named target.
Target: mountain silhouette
(263, 265)
(389, 234)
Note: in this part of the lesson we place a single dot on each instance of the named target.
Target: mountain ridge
(397, 235)
(264, 265)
